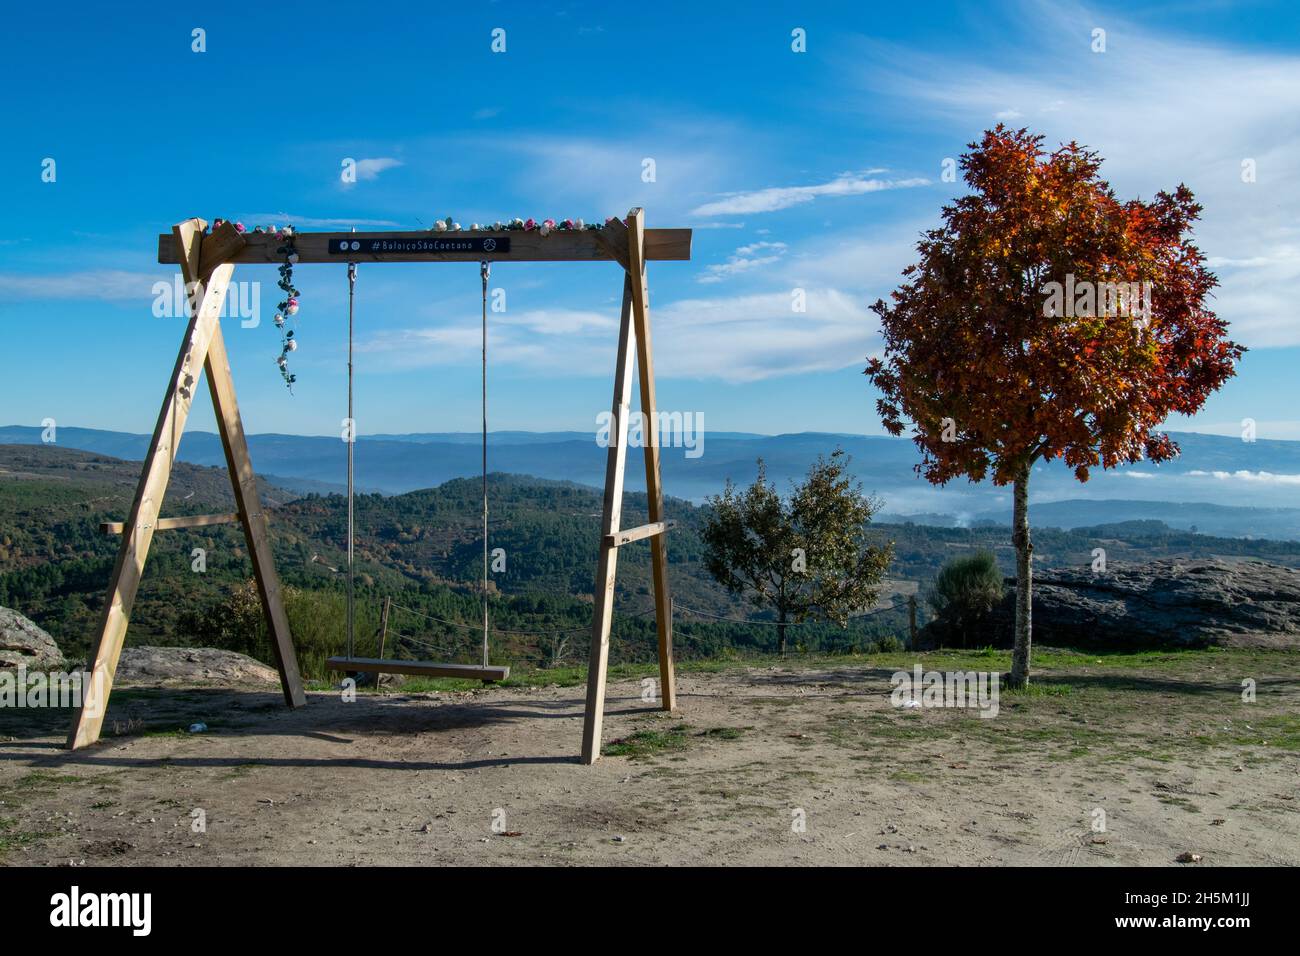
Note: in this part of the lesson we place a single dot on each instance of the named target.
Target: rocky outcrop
(190, 665)
(1178, 603)
(1167, 603)
(24, 644)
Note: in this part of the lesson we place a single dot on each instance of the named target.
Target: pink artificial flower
(292, 302)
(568, 224)
(239, 227)
(529, 225)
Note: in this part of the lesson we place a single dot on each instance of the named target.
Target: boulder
(190, 665)
(23, 643)
(1196, 602)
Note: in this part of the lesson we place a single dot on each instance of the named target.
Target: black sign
(434, 242)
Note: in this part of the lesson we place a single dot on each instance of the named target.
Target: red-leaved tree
(1046, 319)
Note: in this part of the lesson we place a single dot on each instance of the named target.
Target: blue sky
(812, 170)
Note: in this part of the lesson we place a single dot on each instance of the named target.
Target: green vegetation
(648, 743)
(421, 549)
(965, 591)
(806, 555)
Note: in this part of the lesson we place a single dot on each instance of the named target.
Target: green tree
(805, 556)
(965, 590)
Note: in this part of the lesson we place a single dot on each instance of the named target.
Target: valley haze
(1218, 485)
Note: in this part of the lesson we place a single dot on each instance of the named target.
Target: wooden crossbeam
(586, 246)
(168, 524)
(375, 665)
(620, 538)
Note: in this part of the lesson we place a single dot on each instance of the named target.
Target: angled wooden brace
(627, 245)
(650, 445)
(209, 284)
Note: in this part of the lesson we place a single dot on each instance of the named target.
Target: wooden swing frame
(207, 263)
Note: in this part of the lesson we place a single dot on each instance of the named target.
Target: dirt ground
(762, 765)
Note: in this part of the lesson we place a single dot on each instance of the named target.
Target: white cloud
(309, 222)
(106, 285)
(559, 321)
(751, 337)
(735, 339)
(1260, 477)
(752, 256)
(783, 197)
(1161, 109)
(371, 168)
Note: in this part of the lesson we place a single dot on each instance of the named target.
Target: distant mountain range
(1220, 485)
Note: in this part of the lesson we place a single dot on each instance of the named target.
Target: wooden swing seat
(375, 665)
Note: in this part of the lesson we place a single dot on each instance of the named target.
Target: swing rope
(485, 270)
(352, 436)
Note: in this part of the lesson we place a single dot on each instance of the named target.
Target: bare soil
(1162, 745)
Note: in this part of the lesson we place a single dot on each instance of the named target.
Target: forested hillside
(423, 551)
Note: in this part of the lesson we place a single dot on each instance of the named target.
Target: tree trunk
(1024, 581)
(780, 635)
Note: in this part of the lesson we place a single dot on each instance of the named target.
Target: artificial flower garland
(545, 227)
(288, 307)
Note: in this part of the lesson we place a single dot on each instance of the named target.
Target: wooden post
(650, 431)
(383, 637)
(383, 625)
(603, 593)
(208, 297)
(911, 621)
(248, 502)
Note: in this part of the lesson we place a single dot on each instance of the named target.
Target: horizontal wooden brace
(166, 524)
(532, 246)
(620, 538)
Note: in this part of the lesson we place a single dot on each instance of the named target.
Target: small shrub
(965, 592)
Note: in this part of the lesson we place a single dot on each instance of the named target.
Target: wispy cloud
(752, 256)
(762, 336)
(1146, 104)
(1254, 477)
(783, 197)
(369, 169)
(105, 285)
(313, 222)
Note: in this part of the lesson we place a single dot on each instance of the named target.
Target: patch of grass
(648, 743)
(11, 840)
(44, 780)
(908, 776)
(725, 733)
(1033, 689)
(165, 732)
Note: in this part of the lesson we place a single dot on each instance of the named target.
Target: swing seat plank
(375, 665)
